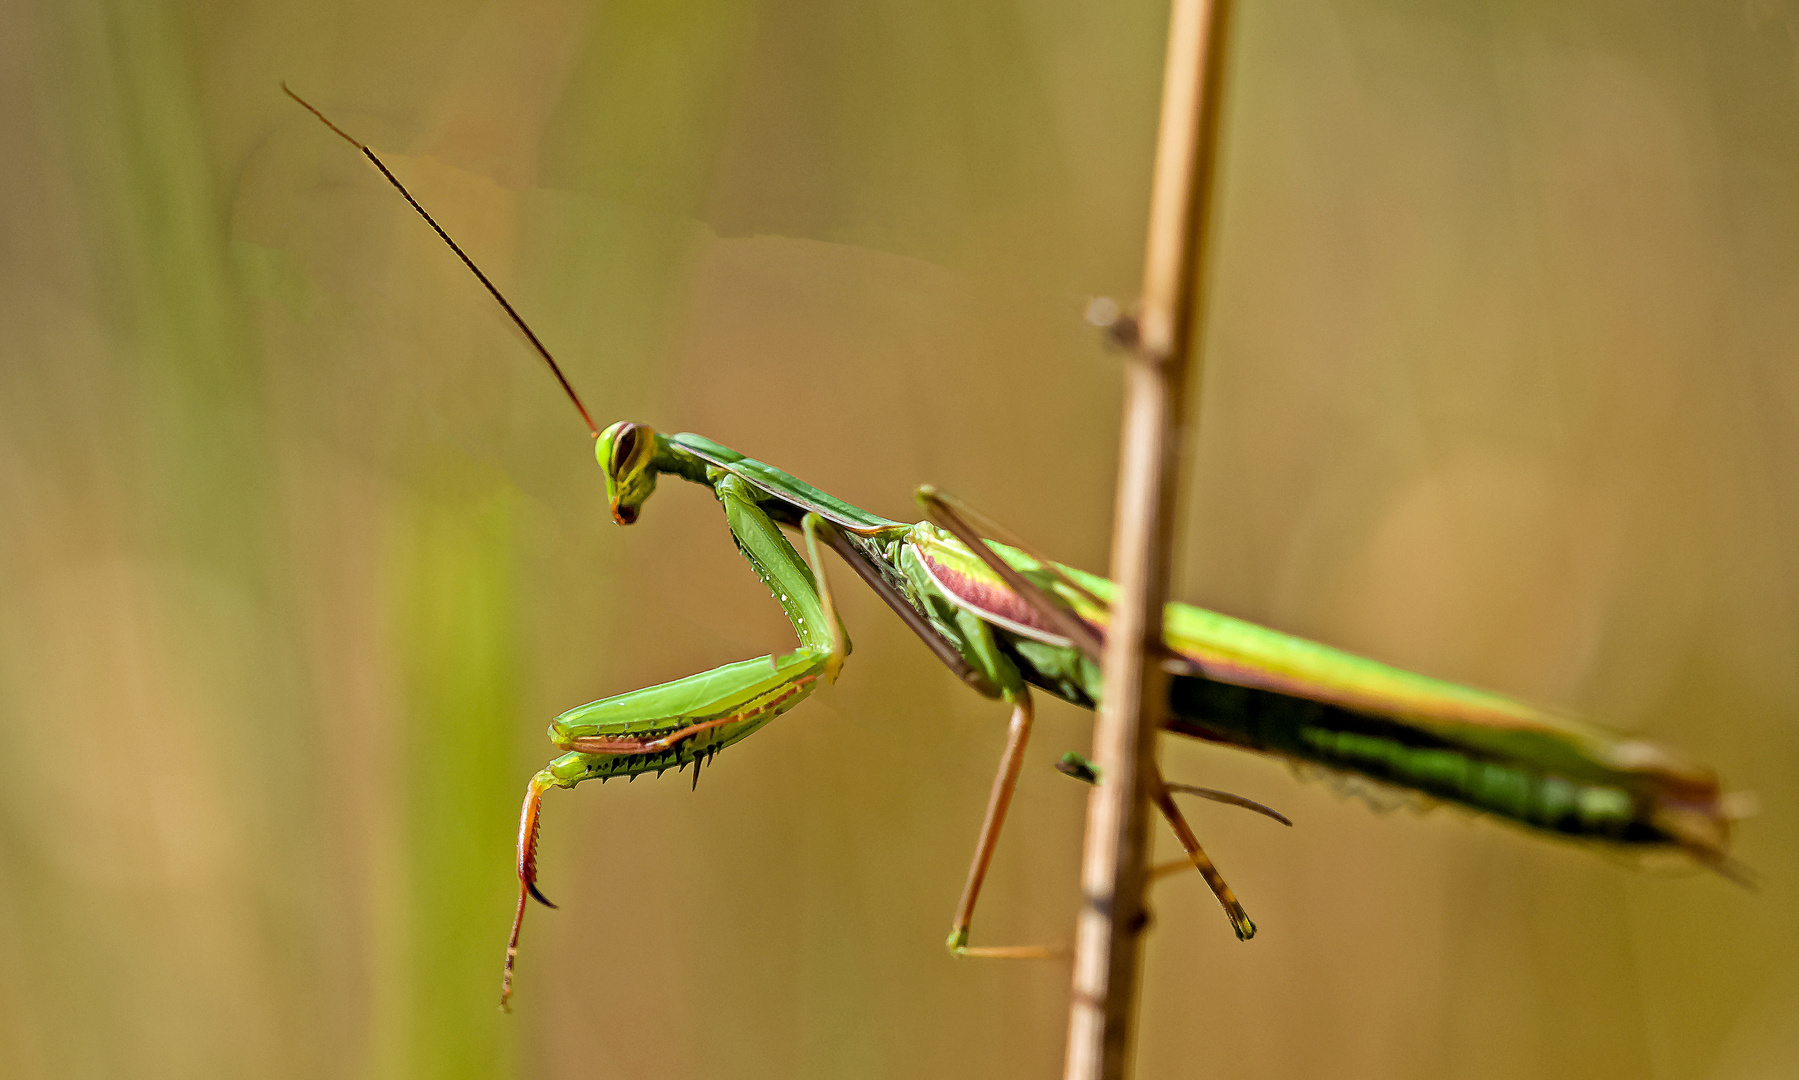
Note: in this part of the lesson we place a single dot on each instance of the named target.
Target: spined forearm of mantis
(1005, 619)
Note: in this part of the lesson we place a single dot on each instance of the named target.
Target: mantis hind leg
(1199, 860)
(1078, 767)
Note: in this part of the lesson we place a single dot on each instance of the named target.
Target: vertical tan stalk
(1108, 936)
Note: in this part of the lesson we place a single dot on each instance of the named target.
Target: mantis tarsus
(1005, 619)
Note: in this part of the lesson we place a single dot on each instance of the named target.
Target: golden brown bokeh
(303, 550)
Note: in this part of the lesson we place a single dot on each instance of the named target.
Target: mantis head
(627, 452)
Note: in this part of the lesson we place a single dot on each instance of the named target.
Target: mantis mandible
(1004, 619)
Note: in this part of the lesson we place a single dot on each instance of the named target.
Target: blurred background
(302, 549)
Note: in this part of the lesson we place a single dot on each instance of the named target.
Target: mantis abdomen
(1244, 685)
(1649, 804)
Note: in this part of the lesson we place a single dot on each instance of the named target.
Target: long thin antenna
(517, 319)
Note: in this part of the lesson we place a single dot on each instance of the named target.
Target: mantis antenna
(511, 313)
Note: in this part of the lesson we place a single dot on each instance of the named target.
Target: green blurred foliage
(302, 549)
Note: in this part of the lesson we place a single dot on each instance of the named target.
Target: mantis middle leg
(984, 653)
(948, 514)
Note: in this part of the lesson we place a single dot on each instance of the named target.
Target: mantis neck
(671, 458)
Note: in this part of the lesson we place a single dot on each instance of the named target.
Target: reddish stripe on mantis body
(992, 600)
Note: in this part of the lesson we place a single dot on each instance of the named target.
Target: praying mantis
(1005, 620)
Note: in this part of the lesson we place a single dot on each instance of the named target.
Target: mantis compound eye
(627, 452)
(621, 449)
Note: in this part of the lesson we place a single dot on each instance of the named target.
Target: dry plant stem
(1109, 932)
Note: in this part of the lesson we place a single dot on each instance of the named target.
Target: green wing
(1260, 689)
(1240, 653)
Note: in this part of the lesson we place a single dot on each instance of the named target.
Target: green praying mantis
(1005, 620)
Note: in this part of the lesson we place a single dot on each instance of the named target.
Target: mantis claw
(527, 876)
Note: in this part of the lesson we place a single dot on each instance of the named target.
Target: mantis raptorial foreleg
(682, 723)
